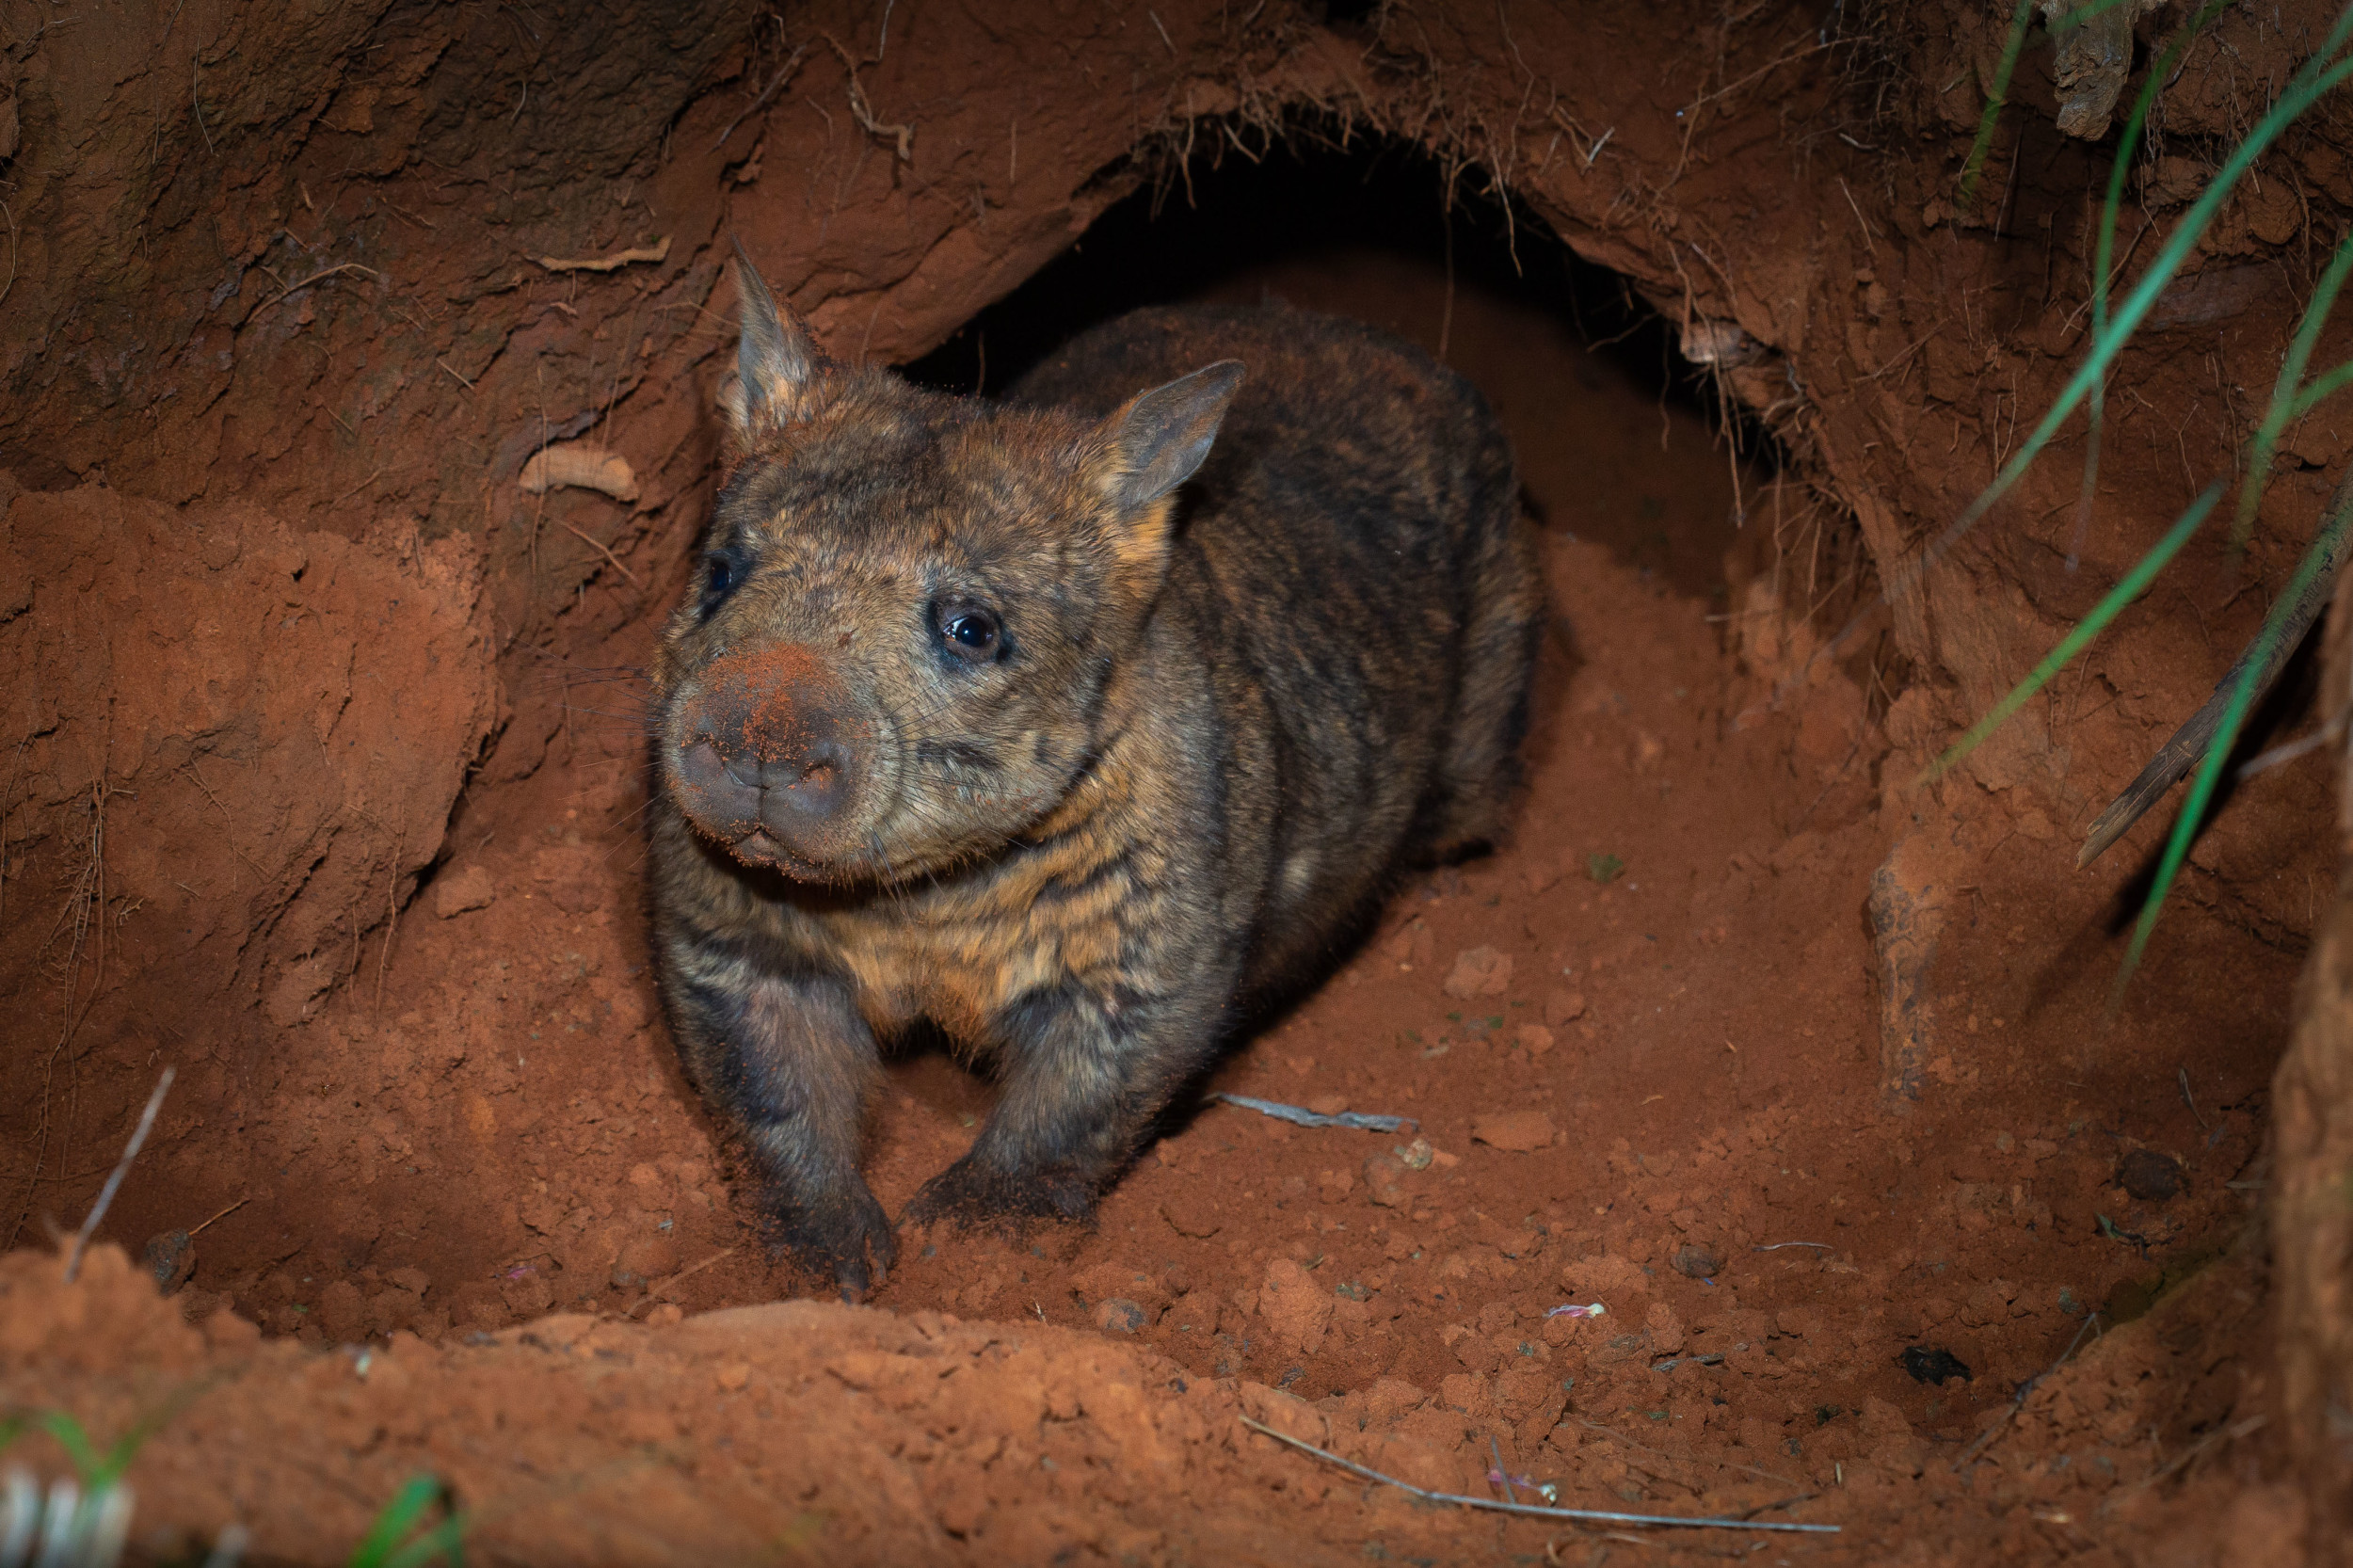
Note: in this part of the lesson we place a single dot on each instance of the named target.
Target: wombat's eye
(719, 574)
(969, 632)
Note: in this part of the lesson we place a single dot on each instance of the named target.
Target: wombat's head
(895, 653)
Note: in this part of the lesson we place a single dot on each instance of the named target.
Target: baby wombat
(979, 712)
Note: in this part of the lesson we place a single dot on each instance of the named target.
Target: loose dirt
(1642, 1048)
(1810, 1076)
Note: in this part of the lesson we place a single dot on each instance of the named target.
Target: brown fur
(993, 724)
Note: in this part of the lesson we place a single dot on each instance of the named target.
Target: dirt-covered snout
(773, 755)
(909, 607)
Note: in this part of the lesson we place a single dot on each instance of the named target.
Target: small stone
(1513, 1131)
(1696, 1261)
(288, 999)
(2150, 1176)
(1385, 1180)
(1119, 1315)
(1563, 1006)
(733, 1377)
(341, 1312)
(573, 877)
(1535, 1039)
(1930, 1364)
(1478, 973)
(1296, 1307)
(1192, 1210)
(454, 893)
(170, 1258)
(644, 1257)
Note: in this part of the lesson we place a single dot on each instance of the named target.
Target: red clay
(1642, 1043)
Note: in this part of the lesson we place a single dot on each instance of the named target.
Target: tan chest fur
(1062, 912)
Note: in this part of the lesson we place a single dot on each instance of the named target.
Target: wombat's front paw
(848, 1238)
(973, 1196)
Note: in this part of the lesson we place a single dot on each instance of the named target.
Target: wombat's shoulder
(1301, 365)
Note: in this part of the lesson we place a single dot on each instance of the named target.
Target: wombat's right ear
(776, 362)
(1161, 437)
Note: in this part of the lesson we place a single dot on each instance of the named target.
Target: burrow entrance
(1642, 1040)
(1656, 1086)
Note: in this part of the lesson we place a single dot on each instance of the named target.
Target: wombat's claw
(967, 1196)
(852, 1243)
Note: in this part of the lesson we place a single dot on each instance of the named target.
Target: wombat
(1074, 723)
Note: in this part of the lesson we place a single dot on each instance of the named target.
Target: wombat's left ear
(776, 362)
(1157, 441)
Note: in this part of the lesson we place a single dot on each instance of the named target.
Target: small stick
(631, 1310)
(225, 1212)
(692, 1269)
(1299, 1115)
(122, 1168)
(347, 496)
(2178, 755)
(1776, 1246)
(1531, 1509)
(767, 92)
(2192, 1454)
(1503, 1476)
(328, 272)
(606, 553)
(2183, 1073)
(2024, 1390)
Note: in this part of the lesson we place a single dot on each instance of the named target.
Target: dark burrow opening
(1584, 374)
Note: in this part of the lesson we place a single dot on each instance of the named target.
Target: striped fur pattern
(1212, 721)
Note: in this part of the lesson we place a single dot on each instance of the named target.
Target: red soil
(1646, 1044)
(1650, 1081)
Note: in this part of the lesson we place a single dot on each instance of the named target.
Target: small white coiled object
(63, 1528)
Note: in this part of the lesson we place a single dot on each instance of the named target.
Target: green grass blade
(2020, 21)
(2284, 392)
(2131, 588)
(71, 1436)
(399, 1517)
(2316, 76)
(2233, 718)
(2323, 386)
(2104, 248)
(445, 1540)
(2083, 13)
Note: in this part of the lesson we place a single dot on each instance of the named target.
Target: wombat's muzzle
(771, 756)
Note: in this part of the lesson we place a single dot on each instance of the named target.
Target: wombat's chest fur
(994, 724)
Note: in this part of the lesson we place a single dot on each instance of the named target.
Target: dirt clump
(235, 749)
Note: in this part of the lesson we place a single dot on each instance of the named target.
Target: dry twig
(122, 1168)
(1594, 1515)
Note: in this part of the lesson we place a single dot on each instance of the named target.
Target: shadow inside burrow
(1580, 371)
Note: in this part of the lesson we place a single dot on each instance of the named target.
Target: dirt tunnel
(328, 759)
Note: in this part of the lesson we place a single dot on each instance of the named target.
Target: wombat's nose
(768, 756)
(809, 781)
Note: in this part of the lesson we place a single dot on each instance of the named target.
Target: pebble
(2150, 1176)
(170, 1258)
(1696, 1261)
(1119, 1315)
(1478, 973)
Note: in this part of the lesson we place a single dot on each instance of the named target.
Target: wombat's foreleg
(1083, 1078)
(793, 1061)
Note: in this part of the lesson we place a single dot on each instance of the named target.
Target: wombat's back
(1351, 571)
